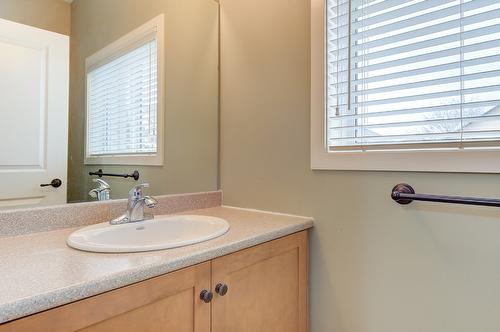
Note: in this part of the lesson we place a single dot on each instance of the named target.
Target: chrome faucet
(101, 192)
(135, 206)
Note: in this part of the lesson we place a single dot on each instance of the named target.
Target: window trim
(117, 48)
(480, 160)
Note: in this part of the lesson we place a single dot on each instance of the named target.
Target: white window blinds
(122, 103)
(412, 74)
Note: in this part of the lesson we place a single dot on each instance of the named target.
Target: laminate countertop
(39, 271)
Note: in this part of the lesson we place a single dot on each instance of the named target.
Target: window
(124, 99)
(413, 83)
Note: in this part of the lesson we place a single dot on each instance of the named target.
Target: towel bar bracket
(402, 188)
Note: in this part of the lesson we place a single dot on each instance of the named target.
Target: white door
(34, 70)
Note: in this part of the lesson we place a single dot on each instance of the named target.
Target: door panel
(169, 314)
(34, 69)
(23, 69)
(267, 288)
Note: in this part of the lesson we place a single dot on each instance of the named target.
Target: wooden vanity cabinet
(259, 289)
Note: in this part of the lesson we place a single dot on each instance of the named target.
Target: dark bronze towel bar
(404, 194)
(100, 173)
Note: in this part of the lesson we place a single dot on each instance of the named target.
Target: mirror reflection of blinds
(412, 74)
(122, 104)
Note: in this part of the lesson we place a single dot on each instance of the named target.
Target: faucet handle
(102, 184)
(150, 202)
(136, 191)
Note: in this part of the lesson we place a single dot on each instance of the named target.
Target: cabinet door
(167, 303)
(266, 288)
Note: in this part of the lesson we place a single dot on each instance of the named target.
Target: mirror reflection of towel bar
(100, 173)
(404, 194)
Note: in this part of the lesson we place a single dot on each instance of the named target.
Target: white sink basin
(162, 232)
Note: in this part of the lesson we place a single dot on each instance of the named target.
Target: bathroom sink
(162, 232)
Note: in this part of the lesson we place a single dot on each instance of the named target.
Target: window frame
(117, 48)
(476, 160)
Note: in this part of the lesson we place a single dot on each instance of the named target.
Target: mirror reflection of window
(122, 99)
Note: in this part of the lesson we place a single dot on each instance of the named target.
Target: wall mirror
(98, 87)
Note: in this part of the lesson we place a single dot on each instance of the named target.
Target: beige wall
(191, 115)
(52, 15)
(375, 266)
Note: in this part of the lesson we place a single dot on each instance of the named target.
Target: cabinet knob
(206, 296)
(221, 289)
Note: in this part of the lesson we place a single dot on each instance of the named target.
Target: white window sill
(144, 160)
(462, 161)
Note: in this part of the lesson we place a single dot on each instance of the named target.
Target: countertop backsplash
(43, 219)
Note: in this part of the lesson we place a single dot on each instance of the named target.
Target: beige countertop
(39, 271)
